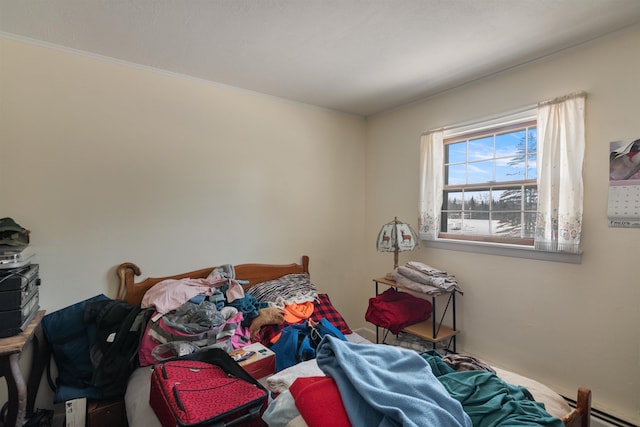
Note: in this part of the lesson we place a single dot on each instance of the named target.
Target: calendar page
(624, 184)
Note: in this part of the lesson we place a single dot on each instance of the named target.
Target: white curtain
(561, 144)
(431, 183)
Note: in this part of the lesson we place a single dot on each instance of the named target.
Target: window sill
(502, 250)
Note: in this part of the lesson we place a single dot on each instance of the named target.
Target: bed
(140, 414)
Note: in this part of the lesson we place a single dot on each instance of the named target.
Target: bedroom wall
(106, 162)
(564, 324)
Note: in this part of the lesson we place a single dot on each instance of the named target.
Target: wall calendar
(624, 184)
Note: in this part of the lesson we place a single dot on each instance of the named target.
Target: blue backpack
(299, 342)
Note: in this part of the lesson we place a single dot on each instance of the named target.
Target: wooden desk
(22, 397)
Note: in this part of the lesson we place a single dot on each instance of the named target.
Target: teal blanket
(488, 400)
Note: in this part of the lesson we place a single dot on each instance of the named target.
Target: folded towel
(426, 269)
(419, 273)
(414, 286)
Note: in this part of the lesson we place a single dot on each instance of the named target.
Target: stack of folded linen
(420, 277)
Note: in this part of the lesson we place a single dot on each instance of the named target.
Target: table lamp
(396, 236)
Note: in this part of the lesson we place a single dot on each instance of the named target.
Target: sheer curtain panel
(431, 183)
(561, 145)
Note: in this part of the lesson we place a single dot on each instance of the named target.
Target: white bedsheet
(136, 399)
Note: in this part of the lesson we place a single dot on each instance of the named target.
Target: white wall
(567, 325)
(106, 163)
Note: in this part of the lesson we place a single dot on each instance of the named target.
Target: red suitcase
(215, 392)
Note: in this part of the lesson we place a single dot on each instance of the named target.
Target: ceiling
(356, 56)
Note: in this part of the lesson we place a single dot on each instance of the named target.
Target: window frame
(499, 249)
(484, 129)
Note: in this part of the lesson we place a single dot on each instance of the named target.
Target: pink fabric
(242, 336)
(172, 293)
(234, 291)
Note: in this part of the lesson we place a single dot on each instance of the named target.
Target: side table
(22, 397)
(433, 331)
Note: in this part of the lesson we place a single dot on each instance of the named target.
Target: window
(490, 192)
(508, 186)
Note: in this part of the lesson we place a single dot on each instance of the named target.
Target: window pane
(453, 201)
(529, 226)
(456, 174)
(532, 167)
(477, 227)
(511, 144)
(510, 169)
(508, 224)
(477, 215)
(506, 199)
(531, 198)
(481, 148)
(456, 153)
(533, 139)
(480, 172)
(476, 200)
(454, 222)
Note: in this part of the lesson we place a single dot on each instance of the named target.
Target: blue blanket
(388, 386)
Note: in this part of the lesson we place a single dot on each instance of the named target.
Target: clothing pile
(422, 278)
(192, 314)
(170, 294)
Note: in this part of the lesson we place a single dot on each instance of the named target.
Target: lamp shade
(396, 236)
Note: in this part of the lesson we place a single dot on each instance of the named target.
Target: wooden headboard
(132, 291)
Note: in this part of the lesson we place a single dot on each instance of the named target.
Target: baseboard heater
(601, 418)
